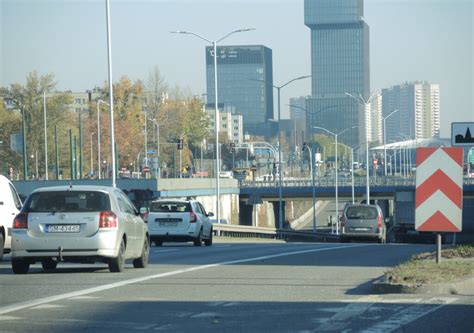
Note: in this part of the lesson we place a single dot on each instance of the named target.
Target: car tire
(198, 240)
(344, 239)
(2, 245)
(142, 261)
(208, 242)
(116, 265)
(158, 243)
(20, 265)
(49, 264)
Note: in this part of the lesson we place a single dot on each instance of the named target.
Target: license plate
(361, 229)
(168, 224)
(63, 228)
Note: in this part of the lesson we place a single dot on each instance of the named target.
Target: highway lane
(231, 286)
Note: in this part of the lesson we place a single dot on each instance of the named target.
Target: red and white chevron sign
(439, 189)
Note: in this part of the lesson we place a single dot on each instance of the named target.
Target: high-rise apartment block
(419, 111)
(245, 80)
(339, 65)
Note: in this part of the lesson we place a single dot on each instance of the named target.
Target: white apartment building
(230, 123)
(419, 111)
(373, 118)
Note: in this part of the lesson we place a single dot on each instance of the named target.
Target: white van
(10, 205)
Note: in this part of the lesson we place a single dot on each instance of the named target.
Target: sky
(410, 40)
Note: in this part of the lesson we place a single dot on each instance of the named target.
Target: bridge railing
(330, 182)
(241, 231)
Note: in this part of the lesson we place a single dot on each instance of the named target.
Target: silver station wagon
(83, 224)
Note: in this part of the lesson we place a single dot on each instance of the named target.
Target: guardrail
(330, 182)
(241, 231)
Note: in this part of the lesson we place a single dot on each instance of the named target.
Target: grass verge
(456, 263)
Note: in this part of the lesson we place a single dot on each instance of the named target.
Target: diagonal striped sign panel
(439, 189)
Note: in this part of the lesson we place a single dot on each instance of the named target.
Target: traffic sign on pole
(439, 189)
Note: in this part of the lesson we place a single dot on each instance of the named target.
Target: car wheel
(158, 243)
(117, 264)
(198, 240)
(49, 264)
(208, 242)
(20, 265)
(142, 261)
(2, 245)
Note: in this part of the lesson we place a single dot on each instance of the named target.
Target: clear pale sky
(410, 40)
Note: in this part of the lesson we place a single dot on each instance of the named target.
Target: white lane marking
(50, 299)
(78, 298)
(161, 251)
(410, 314)
(48, 306)
(341, 319)
(205, 315)
(9, 318)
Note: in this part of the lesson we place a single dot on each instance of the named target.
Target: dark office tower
(240, 72)
(339, 64)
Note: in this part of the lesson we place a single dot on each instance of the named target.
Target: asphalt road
(231, 287)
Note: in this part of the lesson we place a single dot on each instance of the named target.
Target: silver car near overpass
(83, 224)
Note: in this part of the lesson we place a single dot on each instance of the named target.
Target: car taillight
(379, 222)
(193, 217)
(21, 221)
(107, 220)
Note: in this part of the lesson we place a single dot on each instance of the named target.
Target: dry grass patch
(456, 263)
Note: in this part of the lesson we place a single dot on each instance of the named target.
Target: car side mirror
(144, 213)
(210, 214)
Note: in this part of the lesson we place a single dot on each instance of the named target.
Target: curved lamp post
(216, 116)
(337, 198)
(280, 180)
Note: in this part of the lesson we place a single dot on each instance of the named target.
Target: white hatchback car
(82, 224)
(179, 221)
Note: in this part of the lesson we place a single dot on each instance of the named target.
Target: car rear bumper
(102, 244)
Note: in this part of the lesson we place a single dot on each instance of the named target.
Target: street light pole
(45, 138)
(336, 173)
(216, 116)
(365, 103)
(311, 157)
(384, 142)
(111, 92)
(280, 177)
(98, 136)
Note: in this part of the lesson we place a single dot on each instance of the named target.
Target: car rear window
(169, 206)
(67, 201)
(356, 213)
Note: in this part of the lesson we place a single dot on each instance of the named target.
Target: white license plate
(63, 228)
(361, 229)
(168, 224)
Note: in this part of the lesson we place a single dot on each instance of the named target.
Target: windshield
(67, 201)
(356, 213)
(169, 206)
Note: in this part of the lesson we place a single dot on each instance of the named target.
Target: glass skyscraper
(339, 64)
(240, 72)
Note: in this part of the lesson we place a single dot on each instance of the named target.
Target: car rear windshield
(170, 206)
(67, 201)
(357, 213)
